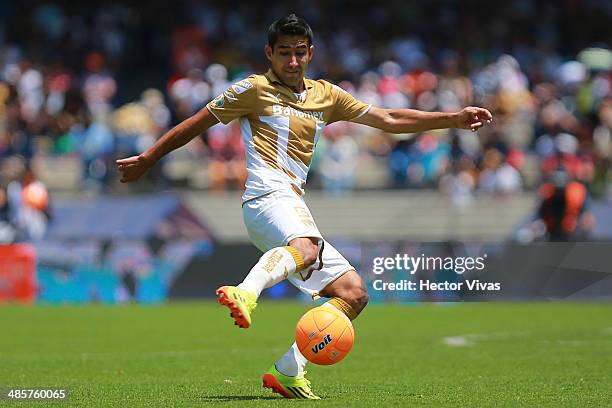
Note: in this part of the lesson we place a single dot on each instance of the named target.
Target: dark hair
(290, 25)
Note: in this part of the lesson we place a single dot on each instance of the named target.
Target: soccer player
(282, 115)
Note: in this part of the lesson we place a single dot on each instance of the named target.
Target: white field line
(467, 340)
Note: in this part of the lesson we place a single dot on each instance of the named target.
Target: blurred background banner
(82, 84)
(117, 249)
(17, 273)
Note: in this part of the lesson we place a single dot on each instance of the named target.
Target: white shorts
(277, 218)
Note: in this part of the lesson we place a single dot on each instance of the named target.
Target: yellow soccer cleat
(240, 303)
(288, 387)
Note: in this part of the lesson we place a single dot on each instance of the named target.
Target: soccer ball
(324, 335)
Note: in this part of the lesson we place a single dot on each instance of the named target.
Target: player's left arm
(413, 121)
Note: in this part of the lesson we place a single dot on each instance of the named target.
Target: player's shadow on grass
(232, 398)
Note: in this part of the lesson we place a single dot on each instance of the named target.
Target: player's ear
(310, 52)
(268, 51)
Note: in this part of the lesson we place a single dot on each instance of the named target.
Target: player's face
(289, 59)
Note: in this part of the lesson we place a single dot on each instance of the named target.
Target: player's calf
(356, 297)
(348, 293)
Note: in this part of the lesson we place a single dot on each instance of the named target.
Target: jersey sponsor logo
(241, 86)
(279, 110)
(218, 101)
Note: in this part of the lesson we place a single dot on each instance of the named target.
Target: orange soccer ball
(324, 335)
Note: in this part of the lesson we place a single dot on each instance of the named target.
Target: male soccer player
(282, 115)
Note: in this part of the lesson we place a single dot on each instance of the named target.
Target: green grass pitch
(191, 355)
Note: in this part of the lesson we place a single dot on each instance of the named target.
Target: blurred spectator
(602, 141)
(454, 89)
(99, 86)
(8, 231)
(338, 159)
(419, 164)
(35, 208)
(460, 183)
(190, 94)
(227, 168)
(564, 156)
(563, 213)
(497, 175)
(24, 202)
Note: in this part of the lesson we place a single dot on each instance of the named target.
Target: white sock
(273, 267)
(292, 363)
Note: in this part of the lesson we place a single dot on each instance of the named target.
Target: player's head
(291, 25)
(290, 48)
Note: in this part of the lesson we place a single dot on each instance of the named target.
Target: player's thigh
(277, 218)
(349, 285)
(350, 288)
(330, 266)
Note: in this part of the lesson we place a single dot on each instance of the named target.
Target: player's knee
(360, 298)
(356, 297)
(350, 288)
(307, 248)
(310, 255)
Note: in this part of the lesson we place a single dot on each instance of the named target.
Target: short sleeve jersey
(281, 129)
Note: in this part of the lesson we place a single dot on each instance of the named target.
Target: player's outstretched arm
(132, 168)
(413, 121)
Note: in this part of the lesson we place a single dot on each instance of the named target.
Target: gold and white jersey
(280, 128)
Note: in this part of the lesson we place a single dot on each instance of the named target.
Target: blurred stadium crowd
(100, 80)
(89, 82)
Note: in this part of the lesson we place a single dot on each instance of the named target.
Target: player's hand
(132, 168)
(473, 118)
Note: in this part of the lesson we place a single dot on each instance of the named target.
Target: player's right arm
(132, 168)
